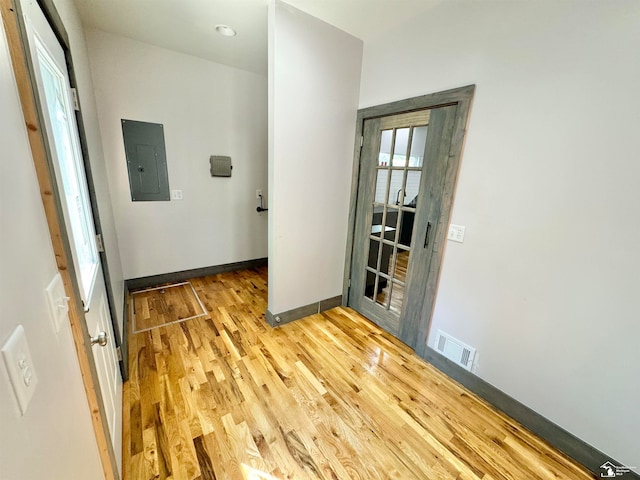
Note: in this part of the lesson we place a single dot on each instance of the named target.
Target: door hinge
(99, 243)
(349, 283)
(361, 140)
(119, 353)
(74, 98)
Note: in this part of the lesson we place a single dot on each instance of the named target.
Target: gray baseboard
(155, 280)
(277, 319)
(555, 435)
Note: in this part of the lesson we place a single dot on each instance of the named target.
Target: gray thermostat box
(220, 166)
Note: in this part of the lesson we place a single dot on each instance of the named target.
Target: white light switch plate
(176, 194)
(58, 302)
(456, 233)
(17, 359)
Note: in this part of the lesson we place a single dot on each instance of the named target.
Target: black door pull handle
(426, 236)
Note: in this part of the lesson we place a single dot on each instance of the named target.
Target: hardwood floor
(331, 396)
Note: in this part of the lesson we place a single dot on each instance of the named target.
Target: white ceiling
(188, 25)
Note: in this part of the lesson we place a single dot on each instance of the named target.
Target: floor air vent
(455, 350)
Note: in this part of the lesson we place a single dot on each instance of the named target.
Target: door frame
(462, 97)
(40, 149)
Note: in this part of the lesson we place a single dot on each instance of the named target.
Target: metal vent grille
(220, 166)
(455, 350)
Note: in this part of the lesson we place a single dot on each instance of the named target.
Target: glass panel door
(403, 164)
(69, 170)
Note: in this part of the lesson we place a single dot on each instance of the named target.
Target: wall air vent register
(455, 350)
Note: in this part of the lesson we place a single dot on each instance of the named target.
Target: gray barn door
(403, 165)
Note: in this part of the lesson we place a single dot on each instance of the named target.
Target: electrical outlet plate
(17, 360)
(456, 233)
(176, 194)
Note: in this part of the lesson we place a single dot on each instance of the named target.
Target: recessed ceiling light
(225, 30)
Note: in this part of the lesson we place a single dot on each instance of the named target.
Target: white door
(61, 130)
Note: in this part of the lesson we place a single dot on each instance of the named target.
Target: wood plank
(329, 397)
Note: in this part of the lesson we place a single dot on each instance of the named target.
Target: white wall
(55, 438)
(547, 283)
(313, 87)
(70, 18)
(206, 109)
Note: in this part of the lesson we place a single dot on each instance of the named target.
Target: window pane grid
(398, 173)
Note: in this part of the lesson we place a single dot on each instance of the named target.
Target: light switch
(58, 302)
(17, 360)
(176, 194)
(456, 233)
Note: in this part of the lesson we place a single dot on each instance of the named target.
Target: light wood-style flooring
(328, 397)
